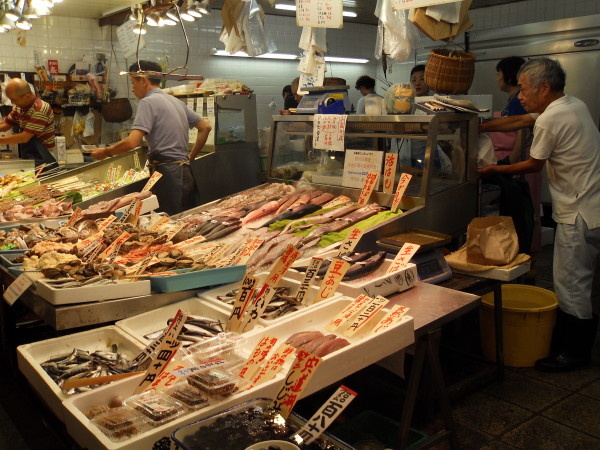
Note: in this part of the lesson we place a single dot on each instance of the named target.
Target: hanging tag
(365, 315)
(340, 200)
(309, 278)
(274, 365)
(210, 106)
(389, 172)
(348, 312)
(298, 377)
(405, 254)
(152, 181)
(324, 417)
(392, 317)
(368, 188)
(336, 271)
(243, 297)
(351, 241)
(402, 185)
(77, 214)
(257, 357)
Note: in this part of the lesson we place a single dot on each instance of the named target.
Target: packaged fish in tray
(218, 383)
(157, 406)
(121, 424)
(190, 396)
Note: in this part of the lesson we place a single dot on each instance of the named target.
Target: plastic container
(121, 424)
(189, 396)
(158, 407)
(216, 382)
(528, 316)
(197, 279)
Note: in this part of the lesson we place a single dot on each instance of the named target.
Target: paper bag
(441, 30)
(492, 241)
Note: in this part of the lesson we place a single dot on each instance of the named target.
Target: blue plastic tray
(7, 255)
(193, 280)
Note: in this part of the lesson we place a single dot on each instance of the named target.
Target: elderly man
(565, 137)
(35, 120)
(165, 121)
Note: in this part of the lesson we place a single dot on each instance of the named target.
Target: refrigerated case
(439, 197)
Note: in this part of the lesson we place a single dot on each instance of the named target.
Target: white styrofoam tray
(148, 204)
(31, 356)
(148, 322)
(335, 366)
(85, 294)
(290, 283)
(500, 274)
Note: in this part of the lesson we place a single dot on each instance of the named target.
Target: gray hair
(544, 70)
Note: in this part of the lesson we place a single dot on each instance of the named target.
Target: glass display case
(439, 151)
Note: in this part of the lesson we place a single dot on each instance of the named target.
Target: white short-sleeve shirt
(566, 136)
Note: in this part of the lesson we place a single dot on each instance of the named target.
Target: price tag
(298, 377)
(106, 222)
(128, 211)
(351, 241)
(348, 312)
(405, 254)
(17, 288)
(340, 200)
(257, 357)
(210, 107)
(275, 363)
(163, 220)
(243, 297)
(164, 353)
(336, 271)
(88, 244)
(7, 189)
(134, 217)
(402, 185)
(185, 372)
(190, 242)
(308, 280)
(136, 161)
(320, 14)
(191, 102)
(109, 173)
(248, 250)
(389, 172)
(365, 315)
(77, 214)
(115, 246)
(369, 186)
(392, 317)
(282, 265)
(167, 378)
(141, 266)
(175, 230)
(328, 131)
(117, 173)
(331, 409)
(94, 254)
(257, 308)
(152, 181)
(216, 253)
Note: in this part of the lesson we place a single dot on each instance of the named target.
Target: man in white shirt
(566, 137)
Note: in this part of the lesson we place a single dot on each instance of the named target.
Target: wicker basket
(449, 71)
(333, 81)
(117, 110)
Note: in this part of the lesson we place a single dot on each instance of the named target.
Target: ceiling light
(166, 20)
(172, 14)
(132, 16)
(153, 19)
(23, 24)
(240, 54)
(57, 1)
(139, 28)
(186, 16)
(30, 13)
(192, 11)
(288, 7)
(346, 60)
(348, 14)
(13, 14)
(203, 7)
(6, 23)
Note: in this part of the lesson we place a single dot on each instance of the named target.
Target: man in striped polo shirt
(35, 120)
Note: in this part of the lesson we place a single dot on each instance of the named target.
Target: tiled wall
(68, 39)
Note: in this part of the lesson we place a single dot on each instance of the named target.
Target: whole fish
(321, 218)
(362, 268)
(298, 211)
(264, 210)
(286, 201)
(224, 232)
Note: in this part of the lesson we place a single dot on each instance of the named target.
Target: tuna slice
(301, 338)
(331, 346)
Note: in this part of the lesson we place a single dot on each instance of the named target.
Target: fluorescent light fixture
(240, 54)
(346, 60)
(288, 7)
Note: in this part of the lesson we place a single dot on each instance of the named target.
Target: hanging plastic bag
(89, 124)
(396, 35)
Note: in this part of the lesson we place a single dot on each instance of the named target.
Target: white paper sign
(328, 131)
(410, 4)
(308, 80)
(129, 40)
(357, 164)
(210, 107)
(319, 13)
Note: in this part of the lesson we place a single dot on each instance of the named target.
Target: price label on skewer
(309, 278)
(403, 257)
(351, 241)
(136, 161)
(117, 173)
(163, 220)
(348, 312)
(366, 314)
(77, 214)
(134, 217)
(402, 185)
(106, 222)
(190, 242)
(129, 211)
(368, 188)
(152, 181)
(257, 357)
(340, 200)
(115, 245)
(394, 316)
(6, 190)
(275, 363)
(175, 230)
(248, 250)
(109, 171)
(88, 244)
(243, 297)
(336, 271)
(389, 172)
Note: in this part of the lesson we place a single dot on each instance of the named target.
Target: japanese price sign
(402, 185)
(365, 315)
(164, 353)
(135, 214)
(167, 378)
(189, 242)
(358, 164)
(242, 299)
(298, 377)
(77, 214)
(336, 271)
(392, 317)
(106, 222)
(308, 280)
(331, 409)
(275, 363)
(159, 223)
(368, 188)
(407, 251)
(348, 312)
(152, 181)
(20, 285)
(130, 209)
(248, 250)
(257, 357)
(351, 241)
(340, 200)
(389, 172)
(319, 13)
(116, 245)
(328, 131)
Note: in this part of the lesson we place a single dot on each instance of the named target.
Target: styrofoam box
(290, 283)
(85, 294)
(31, 356)
(501, 274)
(148, 322)
(375, 283)
(335, 366)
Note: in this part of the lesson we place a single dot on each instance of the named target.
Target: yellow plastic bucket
(528, 316)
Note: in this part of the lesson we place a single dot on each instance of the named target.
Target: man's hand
(101, 153)
(488, 170)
